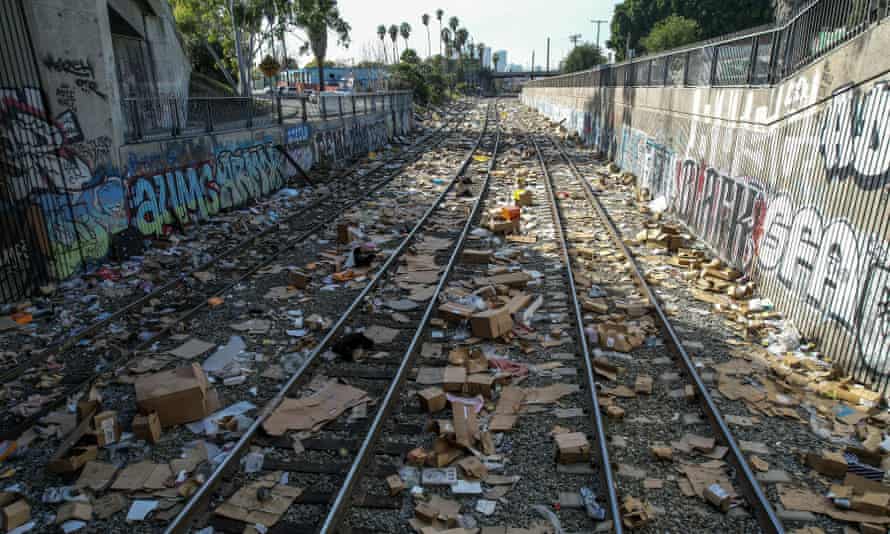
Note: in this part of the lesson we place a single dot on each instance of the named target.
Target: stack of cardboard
(662, 235)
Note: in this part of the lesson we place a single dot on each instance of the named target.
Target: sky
(517, 26)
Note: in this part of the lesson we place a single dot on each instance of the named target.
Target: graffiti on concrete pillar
(81, 70)
(855, 136)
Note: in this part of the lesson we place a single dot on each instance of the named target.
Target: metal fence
(759, 56)
(36, 207)
(173, 116)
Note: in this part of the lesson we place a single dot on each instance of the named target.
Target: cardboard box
(454, 378)
(107, 428)
(480, 384)
(147, 427)
(15, 515)
(86, 408)
(73, 460)
(492, 324)
(476, 256)
(872, 503)
(343, 236)
(432, 399)
(517, 280)
(396, 484)
(502, 227)
(178, 396)
(82, 511)
(828, 463)
(298, 279)
(572, 448)
(452, 311)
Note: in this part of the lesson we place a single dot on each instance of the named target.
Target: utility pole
(533, 64)
(598, 24)
(574, 38)
(548, 55)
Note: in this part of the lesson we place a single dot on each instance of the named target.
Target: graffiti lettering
(343, 143)
(66, 97)
(841, 274)
(81, 69)
(855, 137)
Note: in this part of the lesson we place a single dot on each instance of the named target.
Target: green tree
(394, 36)
(583, 57)
(425, 19)
(410, 56)
(316, 17)
(381, 32)
(405, 32)
(496, 59)
(635, 19)
(670, 33)
(439, 15)
(207, 39)
(234, 28)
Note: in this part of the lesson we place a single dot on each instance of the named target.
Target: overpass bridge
(525, 74)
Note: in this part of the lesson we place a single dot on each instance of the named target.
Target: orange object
(511, 213)
(343, 276)
(22, 317)
(213, 302)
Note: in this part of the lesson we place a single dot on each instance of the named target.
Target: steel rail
(14, 431)
(68, 342)
(181, 522)
(761, 507)
(606, 475)
(344, 495)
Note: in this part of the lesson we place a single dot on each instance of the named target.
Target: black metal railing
(174, 116)
(764, 55)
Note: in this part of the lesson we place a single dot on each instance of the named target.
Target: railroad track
(523, 457)
(186, 294)
(333, 458)
(653, 409)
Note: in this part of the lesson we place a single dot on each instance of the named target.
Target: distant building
(486, 57)
(502, 60)
(357, 78)
(515, 67)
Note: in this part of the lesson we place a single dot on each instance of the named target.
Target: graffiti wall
(790, 184)
(357, 138)
(158, 187)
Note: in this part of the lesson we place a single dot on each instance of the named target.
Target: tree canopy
(583, 57)
(670, 33)
(635, 19)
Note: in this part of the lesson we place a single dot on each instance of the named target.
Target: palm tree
(394, 34)
(381, 32)
(316, 17)
(405, 32)
(495, 59)
(426, 22)
(439, 15)
(481, 49)
(445, 36)
(453, 23)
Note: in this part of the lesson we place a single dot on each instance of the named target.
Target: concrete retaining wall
(790, 183)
